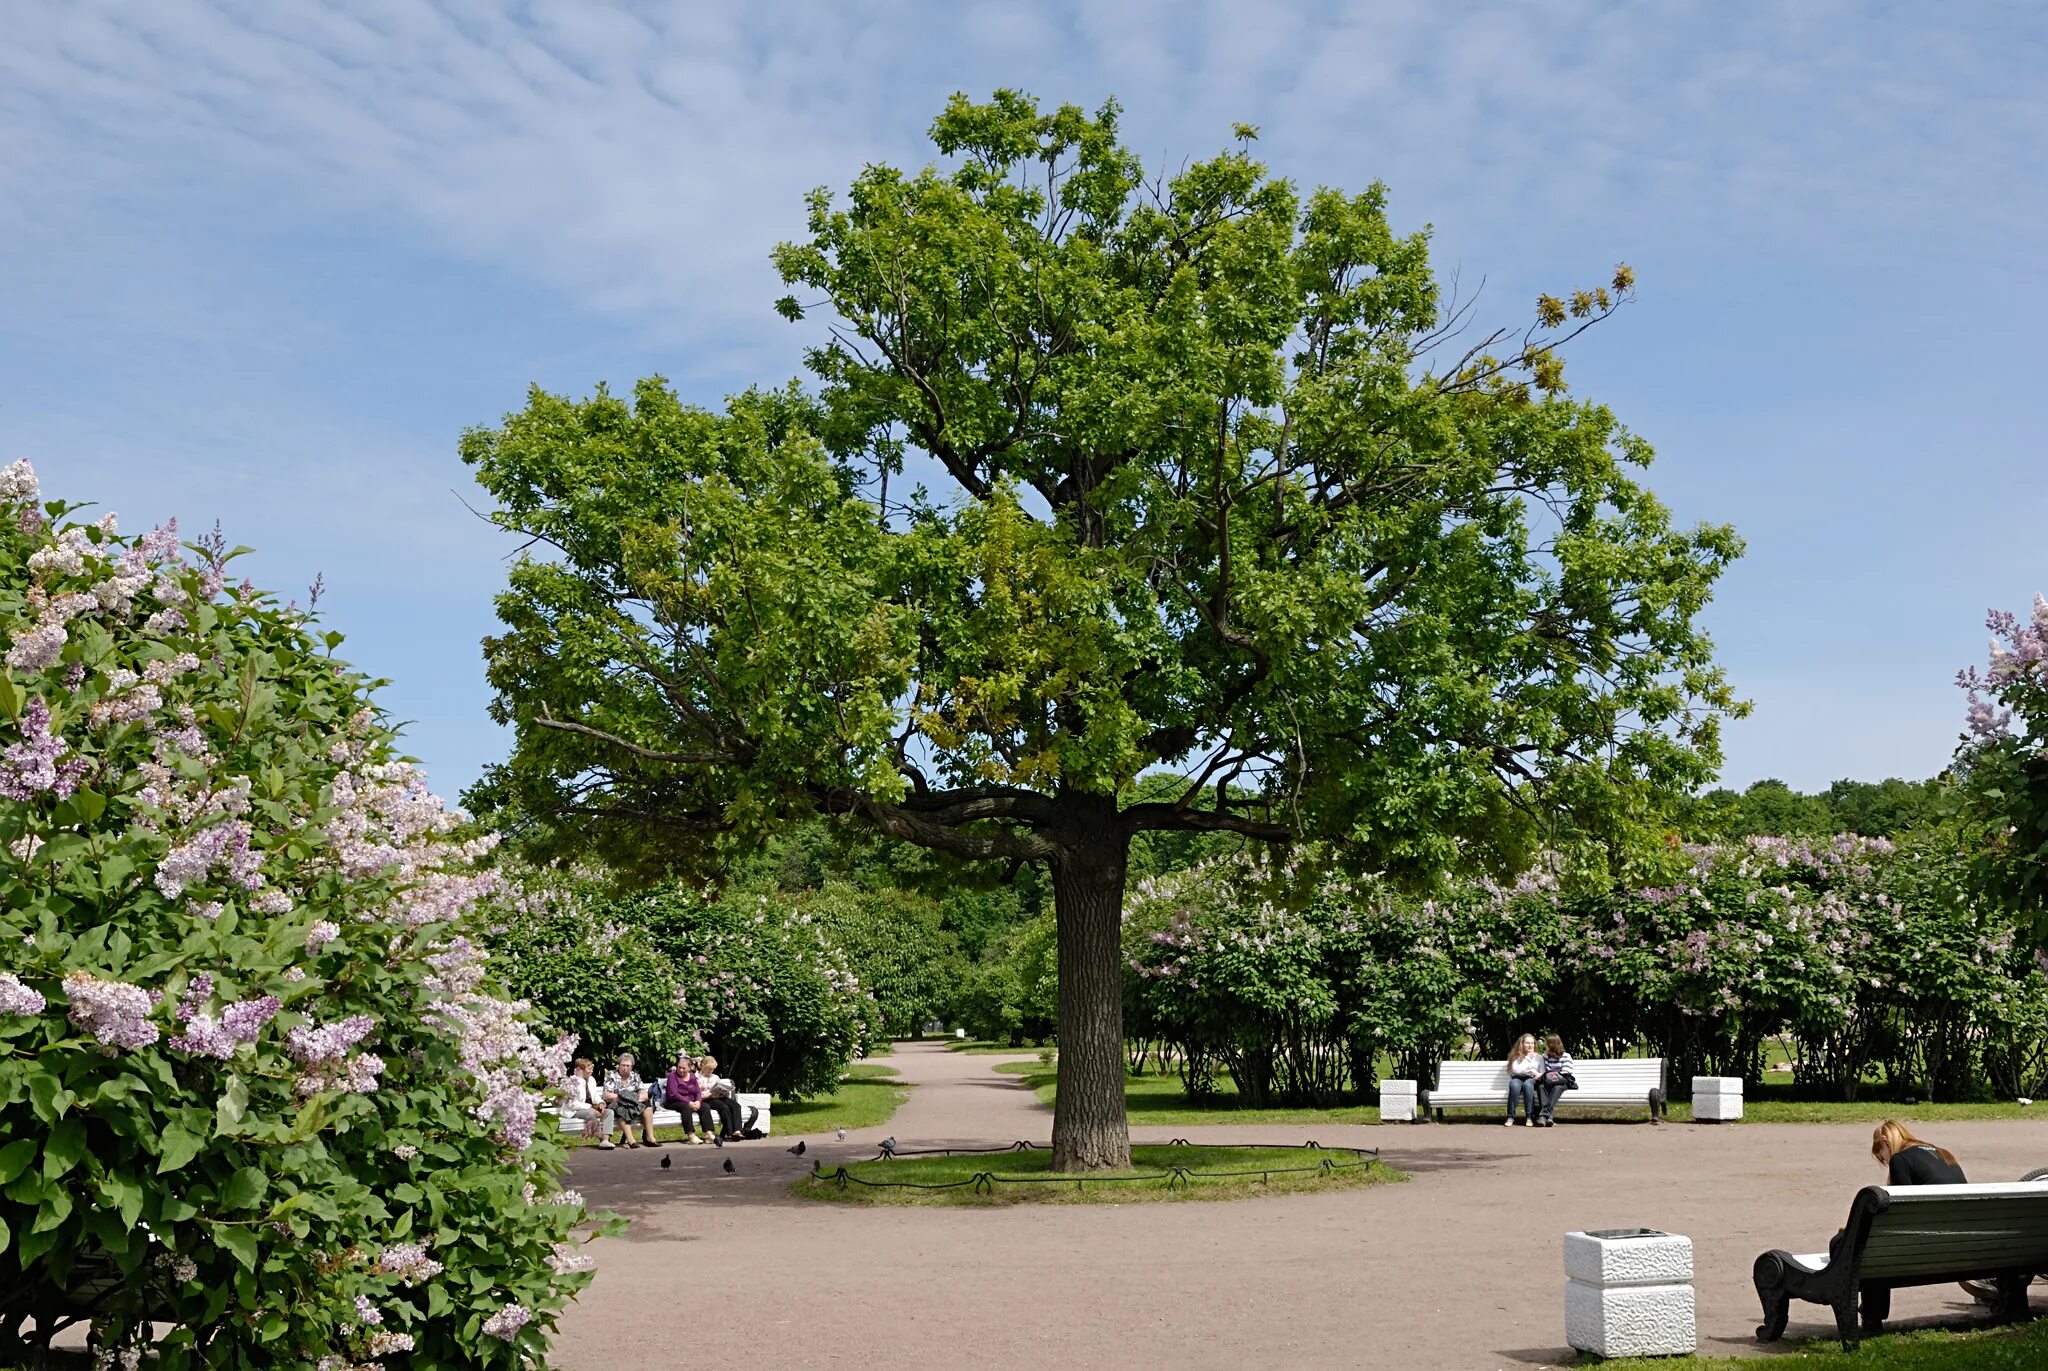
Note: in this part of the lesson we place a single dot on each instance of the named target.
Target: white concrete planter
(1628, 1293)
(1716, 1099)
(1397, 1101)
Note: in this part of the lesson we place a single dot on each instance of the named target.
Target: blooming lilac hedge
(255, 1083)
(1858, 956)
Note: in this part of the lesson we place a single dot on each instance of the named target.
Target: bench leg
(1769, 1275)
(1777, 1309)
(1844, 1305)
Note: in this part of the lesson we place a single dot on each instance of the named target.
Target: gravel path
(1460, 1268)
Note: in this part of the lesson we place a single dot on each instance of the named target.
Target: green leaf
(55, 1208)
(244, 1189)
(65, 1145)
(125, 1194)
(15, 1157)
(179, 1146)
(48, 1095)
(232, 1105)
(5, 1236)
(240, 1241)
(11, 698)
(33, 1245)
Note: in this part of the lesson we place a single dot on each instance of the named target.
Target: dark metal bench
(1912, 1235)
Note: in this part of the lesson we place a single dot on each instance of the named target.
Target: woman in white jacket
(1525, 1064)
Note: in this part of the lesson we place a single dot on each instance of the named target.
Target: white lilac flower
(566, 1260)
(506, 1323)
(408, 1263)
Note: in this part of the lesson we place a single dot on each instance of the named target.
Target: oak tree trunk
(1089, 1131)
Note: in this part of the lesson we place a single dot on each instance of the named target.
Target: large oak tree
(1225, 485)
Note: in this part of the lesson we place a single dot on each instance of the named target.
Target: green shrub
(751, 977)
(255, 1083)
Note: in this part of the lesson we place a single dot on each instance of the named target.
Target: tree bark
(1089, 1130)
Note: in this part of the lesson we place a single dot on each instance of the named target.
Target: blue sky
(264, 264)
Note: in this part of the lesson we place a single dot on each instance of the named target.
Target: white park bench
(1604, 1083)
(755, 1112)
(1912, 1235)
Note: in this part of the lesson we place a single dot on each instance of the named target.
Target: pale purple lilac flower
(16, 998)
(29, 768)
(116, 1014)
(310, 1046)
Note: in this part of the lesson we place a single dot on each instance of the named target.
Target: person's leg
(729, 1117)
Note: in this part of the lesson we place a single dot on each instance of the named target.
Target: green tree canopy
(1236, 490)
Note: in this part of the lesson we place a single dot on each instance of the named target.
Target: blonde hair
(1516, 1053)
(706, 1063)
(1891, 1138)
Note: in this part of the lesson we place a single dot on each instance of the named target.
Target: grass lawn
(1146, 1161)
(868, 1094)
(1154, 1099)
(2003, 1349)
(977, 1046)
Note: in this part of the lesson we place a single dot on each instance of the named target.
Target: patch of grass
(2003, 1349)
(977, 1047)
(1160, 1100)
(1268, 1173)
(869, 1094)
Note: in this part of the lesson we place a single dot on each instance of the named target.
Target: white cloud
(645, 158)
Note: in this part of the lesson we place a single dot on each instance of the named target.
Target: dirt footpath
(1458, 1269)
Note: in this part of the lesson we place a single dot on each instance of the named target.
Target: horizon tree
(1228, 486)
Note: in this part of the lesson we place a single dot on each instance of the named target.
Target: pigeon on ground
(729, 1167)
(797, 1151)
(664, 1163)
(889, 1144)
(842, 1135)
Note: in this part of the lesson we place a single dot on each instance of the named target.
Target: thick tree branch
(1160, 816)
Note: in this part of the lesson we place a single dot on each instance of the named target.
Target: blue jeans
(1522, 1088)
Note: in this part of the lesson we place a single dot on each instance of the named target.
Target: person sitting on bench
(717, 1101)
(1908, 1161)
(582, 1099)
(684, 1095)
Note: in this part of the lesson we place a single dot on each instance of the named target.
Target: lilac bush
(257, 1086)
(2003, 763)
(1859, 957)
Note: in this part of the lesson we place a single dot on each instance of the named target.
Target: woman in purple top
(683, 1093)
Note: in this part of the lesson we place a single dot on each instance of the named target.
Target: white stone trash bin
(1628, 1293)
(1716, 1099)
(1397, 1102)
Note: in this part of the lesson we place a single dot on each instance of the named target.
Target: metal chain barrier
(1174, 1178)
